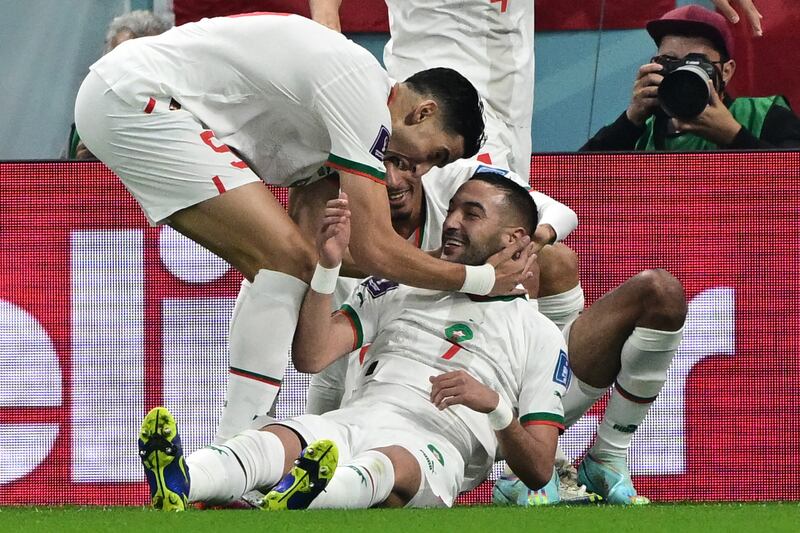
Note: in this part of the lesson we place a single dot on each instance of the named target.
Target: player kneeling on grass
(434, 404)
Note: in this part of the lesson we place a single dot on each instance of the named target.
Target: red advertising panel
(103, 317)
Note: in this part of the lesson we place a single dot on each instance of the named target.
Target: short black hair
(458, 101)
(523, 208)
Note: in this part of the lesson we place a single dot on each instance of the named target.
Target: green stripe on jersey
(341, 163)
(541, 417)
(350, 312)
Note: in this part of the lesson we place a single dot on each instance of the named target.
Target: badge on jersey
(458, 333)
(378, 287)
(491, 170)
(563, 373)
(378, 149)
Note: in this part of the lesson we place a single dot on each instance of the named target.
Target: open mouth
(398, 197)
(451, 244)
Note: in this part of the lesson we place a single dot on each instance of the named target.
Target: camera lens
(684, 92)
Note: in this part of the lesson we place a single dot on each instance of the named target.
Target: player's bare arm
(378, 249)
(529, 451)
(326, 12)
(747, 8)
(321, 338)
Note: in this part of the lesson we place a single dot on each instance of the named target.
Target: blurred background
(587, 54)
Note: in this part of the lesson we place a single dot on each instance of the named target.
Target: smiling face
(405, 194)
(475, 227)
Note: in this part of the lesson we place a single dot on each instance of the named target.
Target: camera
(684, 91)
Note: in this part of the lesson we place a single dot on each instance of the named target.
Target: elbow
(371, 258)
(305, 364)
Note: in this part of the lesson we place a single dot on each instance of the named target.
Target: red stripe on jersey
(485, 158)
(218, 183)
(239, 164)
(362, 353)
(451, 352)
(208, 136)
(544, 423)
(257, 13)
(151, 104)
(352, 326)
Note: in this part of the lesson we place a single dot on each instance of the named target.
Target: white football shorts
(162, 153)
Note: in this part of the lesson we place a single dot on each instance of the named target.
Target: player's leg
(629, 338)
(180, 174)
(388, 477)
(265, 315)
(217, 474)
(560, 297)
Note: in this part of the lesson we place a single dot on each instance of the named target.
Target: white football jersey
(414, 334)
(490, 42)
(288, 94)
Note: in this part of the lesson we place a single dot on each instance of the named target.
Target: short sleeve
(368, 307)
(546, 377)
(354, 108)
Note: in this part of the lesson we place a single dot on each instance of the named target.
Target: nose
(451, 221)
(392, 176)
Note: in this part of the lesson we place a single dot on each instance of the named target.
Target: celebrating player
(435, 400)
(193, 120)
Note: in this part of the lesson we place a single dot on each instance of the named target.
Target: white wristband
(478, 280)
(501, 417)
(324, 280)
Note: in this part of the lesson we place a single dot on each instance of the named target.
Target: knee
(294, 255)
(558, 265)
(663, 300)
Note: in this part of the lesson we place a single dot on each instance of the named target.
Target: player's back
(489, 42)
(270, 85)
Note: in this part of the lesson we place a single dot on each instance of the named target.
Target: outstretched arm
(322, 338)
(748, 9)
(380, 251)
(326, 12)
(530, 451)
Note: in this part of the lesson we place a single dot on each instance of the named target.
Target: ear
(514, 234)
(727, 71)
(424, 110)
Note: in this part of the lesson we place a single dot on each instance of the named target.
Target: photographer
(679, 101)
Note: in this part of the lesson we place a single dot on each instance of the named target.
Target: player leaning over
(441, 382)
(193, 121)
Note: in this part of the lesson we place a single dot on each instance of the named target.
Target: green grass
(751, 518)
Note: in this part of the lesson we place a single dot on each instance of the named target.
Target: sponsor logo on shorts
(360, 474)
(427, 460)
(630, 428)
(458, 333)
(436, 453)
(563, 374)
(492, 170)
(378, 149)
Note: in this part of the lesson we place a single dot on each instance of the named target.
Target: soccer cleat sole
(159, 421)
(309, 476)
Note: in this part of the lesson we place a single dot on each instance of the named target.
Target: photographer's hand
(644, 99)
(715, 123)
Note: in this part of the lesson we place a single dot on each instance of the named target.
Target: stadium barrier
(102, 317)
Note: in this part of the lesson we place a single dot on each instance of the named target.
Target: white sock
(578, 399)
(222, 473)
(563, 307)
(366, 480)
(645, 358)
(262, 327)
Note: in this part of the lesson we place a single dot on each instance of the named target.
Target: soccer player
(435, 400)
(626, 338)
(193, 121)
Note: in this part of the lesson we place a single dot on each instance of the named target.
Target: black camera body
(684, 91)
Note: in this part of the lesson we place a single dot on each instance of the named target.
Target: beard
(470, 252)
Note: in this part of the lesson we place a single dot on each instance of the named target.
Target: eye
(401, 164)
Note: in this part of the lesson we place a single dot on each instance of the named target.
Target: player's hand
(334, 234)
(513, 265)
(459, 387)
(748, 9)
(644, 98)
(715, 123)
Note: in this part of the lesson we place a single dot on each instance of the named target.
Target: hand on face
(715, 123)
(644, 99)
